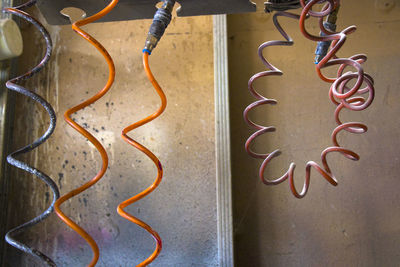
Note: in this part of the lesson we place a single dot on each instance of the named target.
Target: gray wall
(355, 223)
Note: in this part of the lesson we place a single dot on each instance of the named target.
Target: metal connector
(161, 20)
(151, 42)
(281, 5)
(323, 47)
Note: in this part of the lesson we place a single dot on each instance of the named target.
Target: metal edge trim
(222, 143)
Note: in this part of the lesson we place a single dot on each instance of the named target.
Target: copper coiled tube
(67, 116)
(340, 94)
(156, 161)
(13, 85)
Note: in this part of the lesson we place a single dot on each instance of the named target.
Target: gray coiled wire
(11, 159)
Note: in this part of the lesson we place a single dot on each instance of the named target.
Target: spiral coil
(11, 159)
(156, 161)
(340, 94)
(67, 116)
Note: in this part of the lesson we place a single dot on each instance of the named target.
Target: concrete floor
(355, 223)
(183, 208)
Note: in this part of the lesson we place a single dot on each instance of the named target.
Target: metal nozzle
(161, 20)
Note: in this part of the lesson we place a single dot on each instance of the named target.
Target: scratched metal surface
(6, 115)
(355, 223)
(141, 9)
(183, 208)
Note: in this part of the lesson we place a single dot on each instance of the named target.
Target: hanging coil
(340, 94)
(67, 116)
(13, 85)
(161, 20)
(156, 161)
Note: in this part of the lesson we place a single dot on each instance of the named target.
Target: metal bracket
(140, 9)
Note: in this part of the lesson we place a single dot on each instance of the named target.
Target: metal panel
(140, 9)
(183, 209)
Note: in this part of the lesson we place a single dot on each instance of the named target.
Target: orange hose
(152, 157)
(81, 130)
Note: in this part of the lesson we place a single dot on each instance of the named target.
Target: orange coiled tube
(67, 116)
(156, 161)
(340, 94)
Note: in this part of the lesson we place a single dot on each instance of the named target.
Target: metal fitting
(332, 17)
(323, 47)
(281, 5)
(161, 20)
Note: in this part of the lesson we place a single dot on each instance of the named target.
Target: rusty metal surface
(183, 208)
(355, 223)
(141, 9)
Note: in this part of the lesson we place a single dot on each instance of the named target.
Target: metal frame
(222, 143)
(140, 9)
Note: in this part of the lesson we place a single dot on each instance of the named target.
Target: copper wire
(340, 94)
(156, 161)
(67, 116)
(11, 159)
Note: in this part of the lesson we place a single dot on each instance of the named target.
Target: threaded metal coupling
(161, 20)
